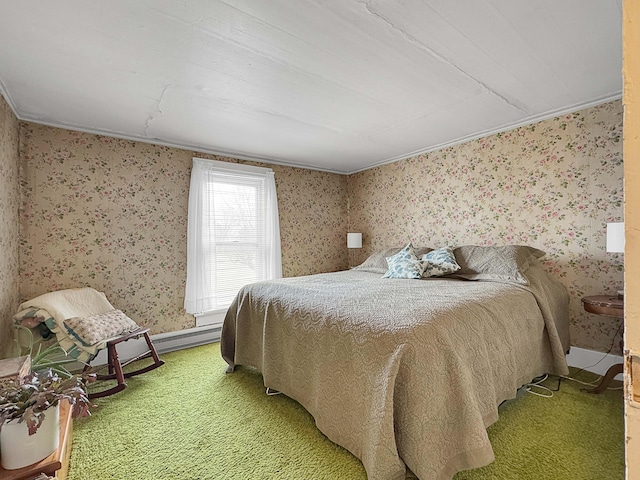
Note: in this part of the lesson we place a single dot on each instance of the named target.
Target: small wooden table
(15, 368)
(610, 306)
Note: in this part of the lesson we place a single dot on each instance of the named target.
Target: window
(233, 235)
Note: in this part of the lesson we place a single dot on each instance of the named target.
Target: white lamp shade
(615, 237)
(354, 240)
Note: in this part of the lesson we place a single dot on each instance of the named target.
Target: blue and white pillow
(404, 264)
(439, 262)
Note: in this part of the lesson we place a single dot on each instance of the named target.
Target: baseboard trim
(191, 337)
(165, 342)
(592, 361)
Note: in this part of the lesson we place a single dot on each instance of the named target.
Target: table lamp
(615, 242)
(354, 240)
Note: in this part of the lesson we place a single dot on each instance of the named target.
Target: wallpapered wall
(552, 185)
(9, 223)
(112, 214)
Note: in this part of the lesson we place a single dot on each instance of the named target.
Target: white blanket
(74, 302)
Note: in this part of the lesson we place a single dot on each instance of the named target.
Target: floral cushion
(404, 264)
(377, 263)
(94, 329)
(439, 262)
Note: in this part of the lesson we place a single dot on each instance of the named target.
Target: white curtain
(233, 233)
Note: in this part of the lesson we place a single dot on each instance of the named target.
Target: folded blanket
(74, 302)
(42, 323)
(78, 307)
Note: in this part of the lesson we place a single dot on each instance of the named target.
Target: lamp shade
(354, 240)
(615, 237)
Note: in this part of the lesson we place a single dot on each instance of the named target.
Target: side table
(15, 368)
(610, 306)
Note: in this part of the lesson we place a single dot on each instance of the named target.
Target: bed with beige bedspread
(405, 374)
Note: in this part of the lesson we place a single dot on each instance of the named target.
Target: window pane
(234, 240)
(235, 267)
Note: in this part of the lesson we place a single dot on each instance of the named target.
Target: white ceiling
(329, 84)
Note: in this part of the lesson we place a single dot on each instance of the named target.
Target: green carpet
(188, 420)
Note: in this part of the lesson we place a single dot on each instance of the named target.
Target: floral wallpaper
(552, 185)
(313, 220)
(9, 224)
(112, 214)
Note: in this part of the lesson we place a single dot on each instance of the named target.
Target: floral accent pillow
(439, 262)
(97, 328)
(404, 264)
(377, 263)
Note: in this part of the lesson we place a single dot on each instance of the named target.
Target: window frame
(272, 267)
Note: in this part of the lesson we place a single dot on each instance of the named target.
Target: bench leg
(115, 367)
(115, 371)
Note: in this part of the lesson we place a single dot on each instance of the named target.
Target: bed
(406, 374)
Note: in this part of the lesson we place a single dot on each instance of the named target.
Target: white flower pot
(19, 449)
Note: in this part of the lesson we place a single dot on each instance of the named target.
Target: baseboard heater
(165, 342)
(191, 337)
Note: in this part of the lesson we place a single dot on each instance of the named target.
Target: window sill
(213, 317)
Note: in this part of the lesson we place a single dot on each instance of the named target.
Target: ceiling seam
(442, 58)
(567, 88)
(347, 88)
(158, 111)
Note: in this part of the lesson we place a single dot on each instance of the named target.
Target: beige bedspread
(402, 373)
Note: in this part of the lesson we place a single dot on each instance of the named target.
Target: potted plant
(30, 406)
(30, 413)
